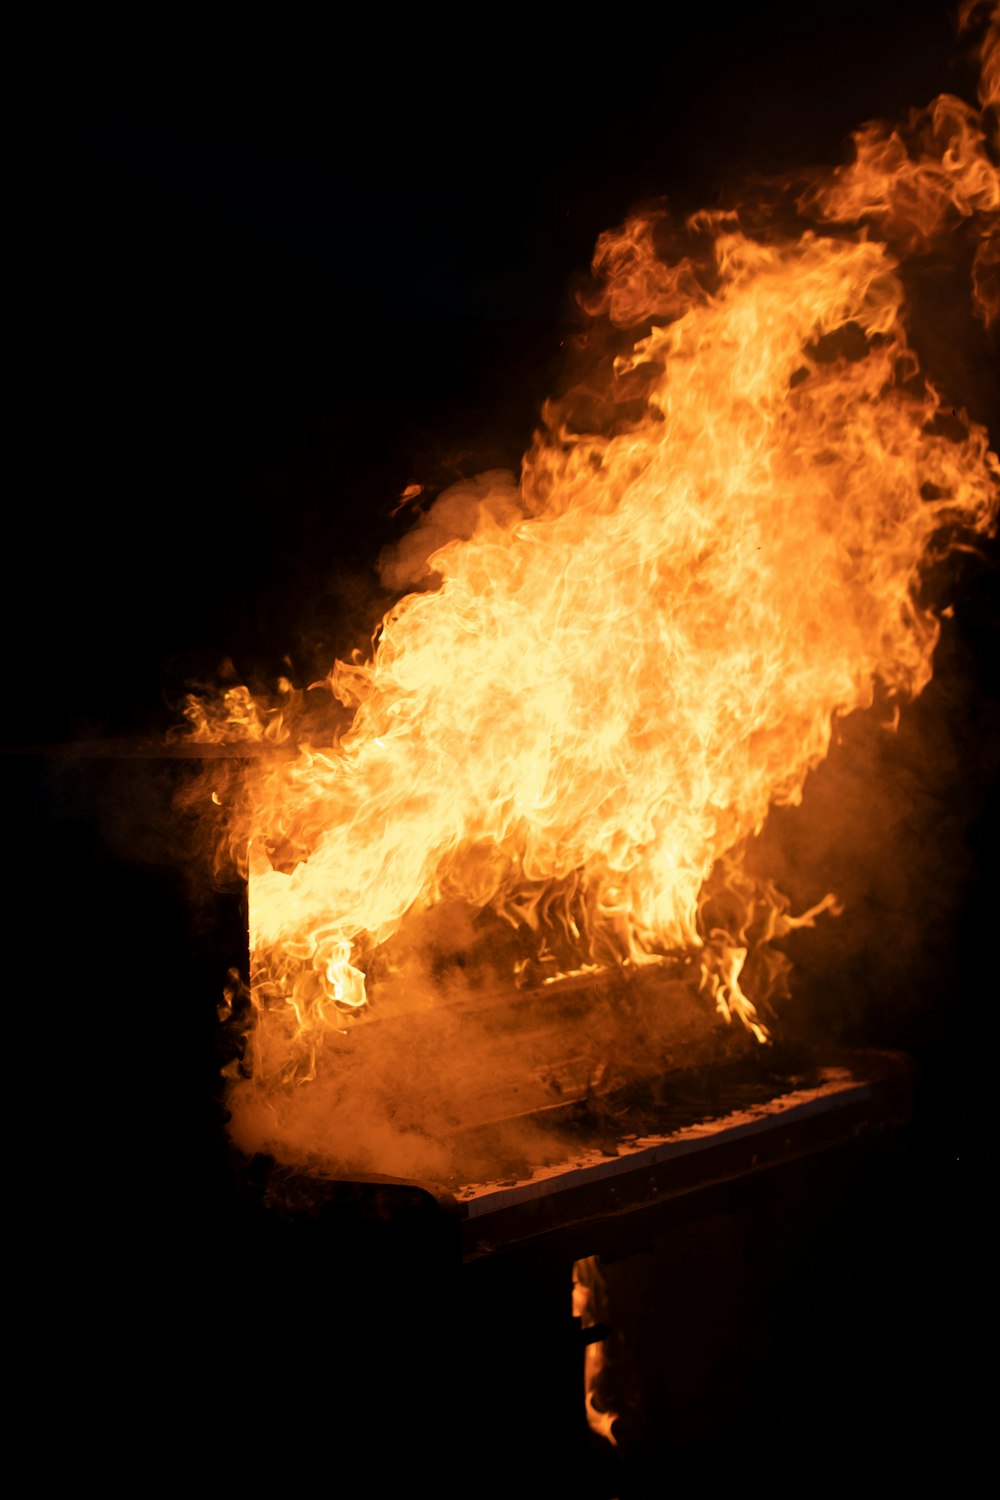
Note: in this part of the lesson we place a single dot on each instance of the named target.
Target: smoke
(454, 516)
(772, 389)
(461, 1080)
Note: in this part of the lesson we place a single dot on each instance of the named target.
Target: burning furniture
(613, 673)
(512, 860)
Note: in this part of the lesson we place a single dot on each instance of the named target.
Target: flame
(591, 1304)
(618, 665)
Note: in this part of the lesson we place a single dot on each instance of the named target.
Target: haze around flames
(616, 664)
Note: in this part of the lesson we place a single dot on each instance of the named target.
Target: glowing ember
(620, 663)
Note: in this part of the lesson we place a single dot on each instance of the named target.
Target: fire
(590, 1305)
(619, 663)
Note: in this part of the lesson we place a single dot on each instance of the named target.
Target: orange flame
(624, 661)
(591, 1306)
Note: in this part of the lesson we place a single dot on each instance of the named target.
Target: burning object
(559, 748)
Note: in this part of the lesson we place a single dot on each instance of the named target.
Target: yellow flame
(627, 658)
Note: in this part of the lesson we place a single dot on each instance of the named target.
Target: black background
(268, 281)
(264, 281)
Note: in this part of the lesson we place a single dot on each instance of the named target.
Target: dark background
(269, 280)
(264, 281)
